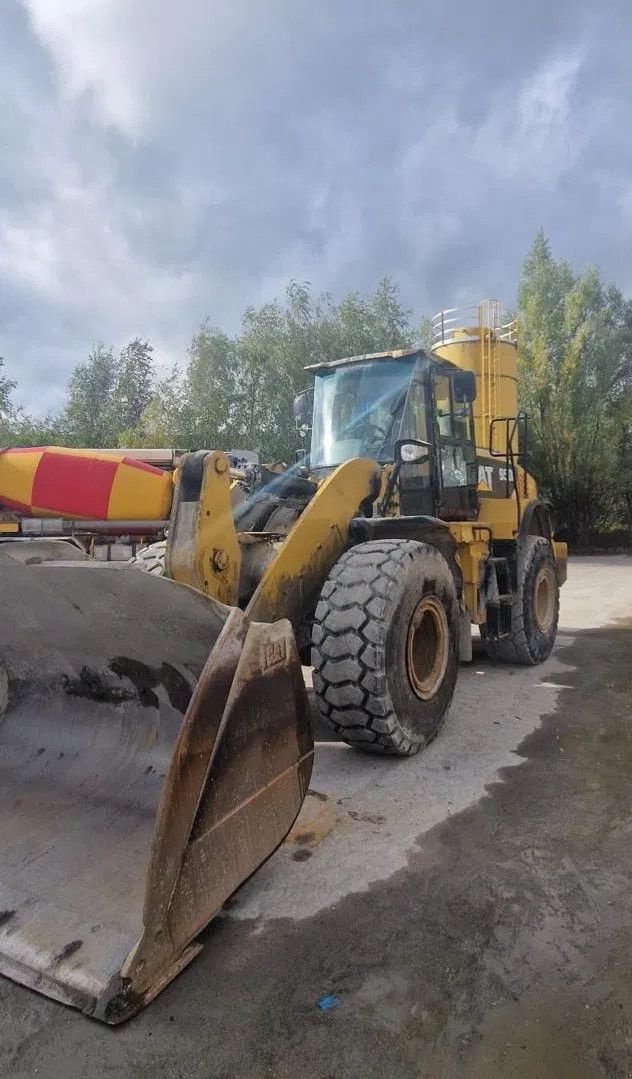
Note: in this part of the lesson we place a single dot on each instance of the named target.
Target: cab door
(418, 481)
(455, 448)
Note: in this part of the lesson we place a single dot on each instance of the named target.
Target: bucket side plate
(97, 667)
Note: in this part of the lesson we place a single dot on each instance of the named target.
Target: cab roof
(394, 354)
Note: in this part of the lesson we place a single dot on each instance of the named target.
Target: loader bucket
(154, 750)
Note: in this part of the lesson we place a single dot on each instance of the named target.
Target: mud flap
(155, 749)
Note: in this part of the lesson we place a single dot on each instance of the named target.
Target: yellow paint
(392, 510)
(472, 552)
(17, 472)
(495, 364)
(560, 550)
(202, 547)
(9, 528)
(314, 543)
(501, 515)
(140, 495)
(492, 356)
(136, 493)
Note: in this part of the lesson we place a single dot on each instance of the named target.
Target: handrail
(486, 315)
(446, 322)
(510, 456)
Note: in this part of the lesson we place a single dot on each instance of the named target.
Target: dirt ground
(470, 910)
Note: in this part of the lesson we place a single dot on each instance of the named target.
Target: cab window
(454, 435)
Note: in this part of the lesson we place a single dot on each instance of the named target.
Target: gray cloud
(164, 162)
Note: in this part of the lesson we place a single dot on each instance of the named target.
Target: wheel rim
(427, 647)
(544, 605)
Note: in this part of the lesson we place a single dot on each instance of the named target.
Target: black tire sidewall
(425, 576)
(539, 644)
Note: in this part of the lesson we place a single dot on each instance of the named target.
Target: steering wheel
(363, 425)
(377, 432)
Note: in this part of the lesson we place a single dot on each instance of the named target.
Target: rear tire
(151, 559)
(385, 645)
(535, 609)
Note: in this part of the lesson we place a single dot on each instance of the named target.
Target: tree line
(236, 391)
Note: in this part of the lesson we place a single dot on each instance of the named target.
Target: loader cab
(380, 406)
(445, 483)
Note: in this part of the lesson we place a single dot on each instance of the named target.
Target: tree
(17, 428)
(625, 472)
(207, 412)
(424, 334)
(36, 431)
(7, 408)
(575, 371)
(107, 396)
(235, 391)
(161, 423)
(133, 385)
(89, 416)
(278, 341)
(271, 355)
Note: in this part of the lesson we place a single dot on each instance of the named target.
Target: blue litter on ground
(328, 1002)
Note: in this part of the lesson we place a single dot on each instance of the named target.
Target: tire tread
(516, 648)
(368, 585)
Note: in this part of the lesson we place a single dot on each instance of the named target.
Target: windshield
(358, 409)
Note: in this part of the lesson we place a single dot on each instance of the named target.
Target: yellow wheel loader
(155, 746)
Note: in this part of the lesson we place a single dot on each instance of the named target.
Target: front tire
(535, 609)
(385, 645)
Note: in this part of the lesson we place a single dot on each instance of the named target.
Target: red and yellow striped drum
(51, 481)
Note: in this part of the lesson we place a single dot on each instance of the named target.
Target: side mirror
(410, 451)
(303, 408)
(464, 387)
(300, 456)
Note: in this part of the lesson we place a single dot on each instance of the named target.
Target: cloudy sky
(162, 161)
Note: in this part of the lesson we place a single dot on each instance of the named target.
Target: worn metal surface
(141, 781)
(59, 526)
(258, 551)
(291, 583)
(202, 547)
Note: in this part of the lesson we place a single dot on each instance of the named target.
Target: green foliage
(208, 406)
(8, 411)
(238, 392)
(106, 399)
(277, 343)
(133, 387)
(160, 423)
(424, 334)
(28, 431)
(89, 415)
(575, 382)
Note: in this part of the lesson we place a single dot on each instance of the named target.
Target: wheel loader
(155, 744)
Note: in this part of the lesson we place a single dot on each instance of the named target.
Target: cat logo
(488, 473)
(485, 476)
(274, 652)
